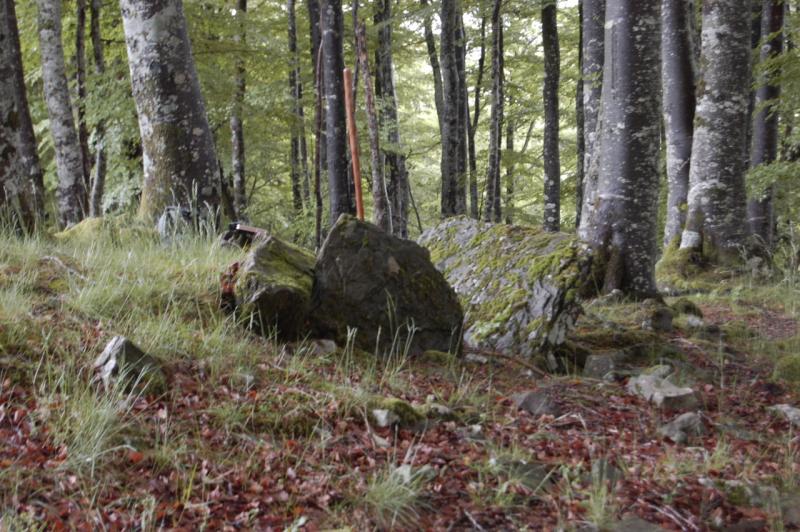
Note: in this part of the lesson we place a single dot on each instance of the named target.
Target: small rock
(600, 365)
(658, 316)
(537, 402)
(680, 429)
(662, 371)
(693, 322)
(173, 223)
(439, 411)
(122, 358)
(476, 359)
(323, 347)
(791, 413)
(663, 393)
(384, 418)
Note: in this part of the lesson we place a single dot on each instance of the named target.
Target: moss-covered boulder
(381, 285)
(273, 289)
(520, 286)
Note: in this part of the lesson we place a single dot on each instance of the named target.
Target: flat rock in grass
(520, 286)
(379, 284)
(663, 393)
(791, 413)
(538, 402)
(122, 361)
(273, 288)
(683, 427)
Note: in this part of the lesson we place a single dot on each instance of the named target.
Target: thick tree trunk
(622, 229)
(392, 148)
(71, 190)
(764, 148)
(294, 88)
(380, 194)
(237, 118)
(493, 211)
(552, 163)
(80, 82)
(336, 132)
(27, 147)
(593, 47)
(180, 164)
(433, 57)
(474, 201)
(99, 179)
(452, 112)
(716, 199)
(580, 141)
(678, 82)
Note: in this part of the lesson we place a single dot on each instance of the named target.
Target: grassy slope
(263, 435)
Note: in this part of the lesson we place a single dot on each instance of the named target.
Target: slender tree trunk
(678, 82)
(451, 110)
(623, 227)
(332, 71)
(237, 118)
(472, 125)
(380, 194)
(433, 57)
(80, 82)
(71, 190)
(764, 150)
(27, 147)
(99, 179)
(580, 141)
(593, 47)
(716, 199)
(552, 163)
(397, 176)
(180, 164)
(493, 212)
(463, 115)
(318, 144)
(510, 169)
(297, 106)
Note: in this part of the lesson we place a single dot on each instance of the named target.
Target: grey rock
(123, 362)
(174, 223)
(323, 347)
(791, 413)
(657, 316)
(694, 322)
(683, 427)
(601, 365)
(384, 418)
(662, 371)
(380, 284)
(537, 402)
(663, 393)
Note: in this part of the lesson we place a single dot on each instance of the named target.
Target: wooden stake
(351, 128)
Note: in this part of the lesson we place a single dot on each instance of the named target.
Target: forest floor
(250, 433)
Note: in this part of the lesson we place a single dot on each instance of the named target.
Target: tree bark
(472, 125)
(315, 35)
(450, 110)
(580, 141)
(622, 229)
(180, 164)
(336, 137)
(297, 108)
(552, 163)
(510, 169)
(100, 164)
(716, 199)
(27, 147)
(71, 187)
(678, 82)
(493, 211)
(593, 47)
(463, 115)
(764, 150)
(237, 118)
(433, 57)
(80, 82)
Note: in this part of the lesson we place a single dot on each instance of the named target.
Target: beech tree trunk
(315, 35)
(100, 164)
(493, 211)
(336, 132)
(392, 148)
(552, 163)
(451, 110)
(764, 150)
(593, 54)
(678, 81)
(237, 118)
(297, 107)
(580, 141)
(71, 191)
(463, 115)
(27, 147)
(510, 169)
(433, 57)
(622, 229)
(716, 199)
(80, 82)
(474, 202)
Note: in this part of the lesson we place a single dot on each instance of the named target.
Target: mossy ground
(254, 433)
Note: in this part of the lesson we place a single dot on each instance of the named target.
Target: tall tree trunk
(433, 57)
(678, 82)
(15, 200)
(71, 190)
(315, 35)
(180, 164)
(380, 193)
(392, 148)
(510, 169)
(297, 106)
(237, 118)
(493, 210)
(716, 199)
(451, 110)
(27, 146)
(463, 115)
(623, 227)
(580, 141)
(80, 82)
(593, 47)
(99, 179)
(764, 148)
(472, 125)
(336, 137)
(552, 163)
